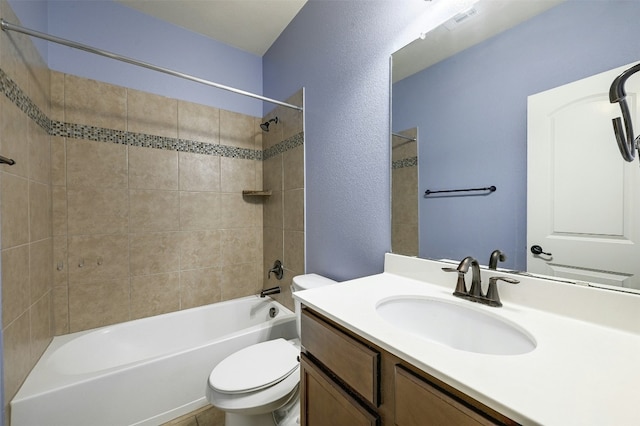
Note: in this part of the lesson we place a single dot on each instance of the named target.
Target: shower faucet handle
(277, 270)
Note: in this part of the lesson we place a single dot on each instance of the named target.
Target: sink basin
(455, 325)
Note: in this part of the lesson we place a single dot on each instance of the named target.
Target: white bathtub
(142, 372)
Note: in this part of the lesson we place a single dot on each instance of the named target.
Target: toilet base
(235, 419)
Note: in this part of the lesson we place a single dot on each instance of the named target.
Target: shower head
(265, 126)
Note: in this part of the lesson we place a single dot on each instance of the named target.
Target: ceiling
(249, 25)
(484, 20)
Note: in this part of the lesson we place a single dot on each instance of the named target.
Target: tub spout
(268, 291)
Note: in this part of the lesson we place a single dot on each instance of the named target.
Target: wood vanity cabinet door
(419, 403)
(357, 365)
(324, 403)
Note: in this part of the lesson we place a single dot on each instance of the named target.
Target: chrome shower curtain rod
(6, 26)
(403, 137)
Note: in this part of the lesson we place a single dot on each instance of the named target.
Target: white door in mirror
(583, 205)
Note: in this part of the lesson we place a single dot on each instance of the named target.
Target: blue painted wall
(340, 50)
(466, 141)
(110, 26)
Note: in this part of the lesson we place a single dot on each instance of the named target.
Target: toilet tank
(307, 282)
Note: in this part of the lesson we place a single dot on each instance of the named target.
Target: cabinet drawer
(325, 403)
(355, 363)
(419, 403)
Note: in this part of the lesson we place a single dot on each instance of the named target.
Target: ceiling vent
(460, 19)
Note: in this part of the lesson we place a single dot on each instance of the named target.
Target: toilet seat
(255, 367)
(257, 379)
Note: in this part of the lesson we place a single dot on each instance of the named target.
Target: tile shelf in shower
(256, 193)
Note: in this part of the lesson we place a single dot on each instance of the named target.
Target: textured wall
(339, 51)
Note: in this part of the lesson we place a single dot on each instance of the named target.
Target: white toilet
(258, 385)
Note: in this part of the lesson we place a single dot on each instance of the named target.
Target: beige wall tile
(272, 210)
(60, 276)
(95, 103)
(272, 174)
(15, 144)
(57, 96)
(155, 294)
(40, 215)
(273, 241)
(240, 280)
(103, 257)
(237, 175)
(241, 246)
(152, 114)
(59, 210)
(97, 211)
(199, 287)
(16, 296)
(200, 249)
(60, 310)
(97, 303)
(199, 210)
(154, 253)
(153, 168)
(199, 172)
(39, 154)
(153, 210)
(237, 129)
(17, 354)
(41, 326)
(14, 206)
(58, 161)
(96, 164)
(237, 211)
(293, 170)
(40, 260)
(294, 251)
(293, 210)
(198, 122)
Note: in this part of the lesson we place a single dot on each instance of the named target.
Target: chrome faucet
(475, 294)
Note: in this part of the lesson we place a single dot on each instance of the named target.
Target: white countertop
(580, 373)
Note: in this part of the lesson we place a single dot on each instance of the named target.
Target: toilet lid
(255, 367)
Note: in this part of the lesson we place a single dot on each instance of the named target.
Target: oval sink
(455, 325)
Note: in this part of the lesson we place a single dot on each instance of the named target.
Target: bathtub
(142, 372)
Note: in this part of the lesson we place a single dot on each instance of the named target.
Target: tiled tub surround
(404, 194)
(130, 231)
(283, 174)
(140, 231)
(25, 209)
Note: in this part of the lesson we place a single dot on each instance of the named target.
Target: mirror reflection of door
(404, 181)
(583, 205)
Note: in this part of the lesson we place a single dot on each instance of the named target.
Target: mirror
(463, 91)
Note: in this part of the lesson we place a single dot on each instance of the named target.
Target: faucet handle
(492, 292)
(461, 287)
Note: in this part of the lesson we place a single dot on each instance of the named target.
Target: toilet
(258, 385)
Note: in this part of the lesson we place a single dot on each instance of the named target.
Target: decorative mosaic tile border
(405, 162)
(100, 134)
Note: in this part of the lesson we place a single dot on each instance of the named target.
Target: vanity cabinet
(346, 380)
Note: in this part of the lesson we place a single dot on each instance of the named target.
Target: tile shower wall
(141, 231)
(404, 193)
(25, 208)
(284, 209)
